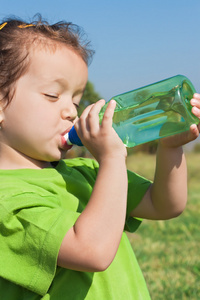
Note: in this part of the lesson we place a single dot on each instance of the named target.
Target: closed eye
(51, 96)
(76, 105)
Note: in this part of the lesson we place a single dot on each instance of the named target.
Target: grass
(168, 251)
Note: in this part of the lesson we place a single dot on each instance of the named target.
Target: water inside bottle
(153, 116)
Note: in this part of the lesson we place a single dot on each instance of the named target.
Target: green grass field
(169, 251)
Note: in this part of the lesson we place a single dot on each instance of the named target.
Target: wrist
(165, 143)
(116, 158)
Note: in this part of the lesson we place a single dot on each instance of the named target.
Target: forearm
(169, 190)
(95, 237)
(101, 223)
(91, 244)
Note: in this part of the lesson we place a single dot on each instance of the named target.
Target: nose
(69, 112)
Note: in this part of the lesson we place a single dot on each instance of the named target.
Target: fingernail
(112, 101)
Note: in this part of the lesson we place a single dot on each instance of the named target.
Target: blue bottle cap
(73, 137)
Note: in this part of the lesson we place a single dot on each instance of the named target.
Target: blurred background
(139, 42)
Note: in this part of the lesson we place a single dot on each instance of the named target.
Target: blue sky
(137, 42)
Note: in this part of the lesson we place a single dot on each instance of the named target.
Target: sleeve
(137, 187)
(30, 238)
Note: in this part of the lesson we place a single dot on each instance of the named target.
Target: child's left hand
(188, 136)
(195, 102)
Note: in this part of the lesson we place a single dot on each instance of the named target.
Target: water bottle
(151, 112)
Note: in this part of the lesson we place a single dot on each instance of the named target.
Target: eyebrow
(64, 84)
(61, 81)
(48, 81)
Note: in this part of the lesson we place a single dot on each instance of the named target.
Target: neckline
(54, 166)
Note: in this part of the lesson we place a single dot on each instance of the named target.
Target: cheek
(34, 123)
(47, 117)
(33, 117)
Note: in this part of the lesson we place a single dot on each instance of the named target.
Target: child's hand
(188, 136)
(100, 226)
(101, 140)
(195, 102)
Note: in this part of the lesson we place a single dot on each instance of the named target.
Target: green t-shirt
(37, 208)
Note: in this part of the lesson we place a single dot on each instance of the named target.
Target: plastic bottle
(152, 112)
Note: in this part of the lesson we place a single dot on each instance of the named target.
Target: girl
(62, 221)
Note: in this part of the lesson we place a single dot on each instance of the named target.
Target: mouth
(64, 144)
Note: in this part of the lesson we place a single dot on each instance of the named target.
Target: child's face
(45, 104)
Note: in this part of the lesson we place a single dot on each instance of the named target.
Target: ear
(1, 116)
(1, 112)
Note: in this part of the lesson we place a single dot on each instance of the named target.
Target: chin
(58, 156)
(50, 156)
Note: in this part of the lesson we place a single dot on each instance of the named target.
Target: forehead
(56, 61)
(58, 64)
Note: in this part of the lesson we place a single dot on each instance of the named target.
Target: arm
(167, 196)
(91, 244)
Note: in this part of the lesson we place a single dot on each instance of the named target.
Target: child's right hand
(98, 229)
(101, 140)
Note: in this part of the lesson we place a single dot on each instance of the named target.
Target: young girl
(62, 222)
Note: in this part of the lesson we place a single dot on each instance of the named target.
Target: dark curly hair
(16, 39)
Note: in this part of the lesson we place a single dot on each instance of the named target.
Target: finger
(95, 110)
(108, 114)
(195, 101)
(196, 96)
(83, 120)
(194, 131)
(93, 116)
(86, 111)
(196, 111)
